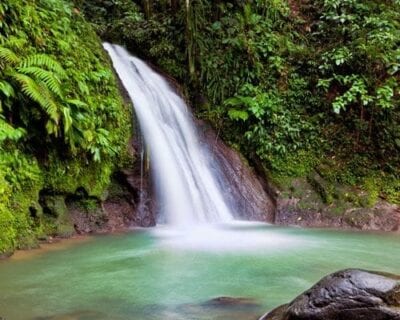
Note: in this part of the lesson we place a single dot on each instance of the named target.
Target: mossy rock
(56, 218)
(27, 241)
(326, 190)
(54, 205)
(65, 230)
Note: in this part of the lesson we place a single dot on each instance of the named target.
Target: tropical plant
(38, 77)
(61, 114)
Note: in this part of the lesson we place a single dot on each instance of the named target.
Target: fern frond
(38, 94)
(7, 132)
(52, 108)
(8, 56)
(43, 60)
(16, 42)
(48, 77)
(6, 88)
(76, 102)
(67, 119)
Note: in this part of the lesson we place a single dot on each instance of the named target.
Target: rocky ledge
(346, 295)
(315, 202)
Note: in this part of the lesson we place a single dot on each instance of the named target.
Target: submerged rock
(230, 302)
(346, 295)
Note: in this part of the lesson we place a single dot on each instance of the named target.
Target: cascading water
(188, 192)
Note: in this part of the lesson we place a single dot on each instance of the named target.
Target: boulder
(350, 294)
(240, 183)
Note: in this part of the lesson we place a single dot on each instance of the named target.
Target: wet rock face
(239, 182)
(346, 295)
(138, 196)
(128, 204)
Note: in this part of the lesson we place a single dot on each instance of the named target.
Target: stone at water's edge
(346, 295)
(241, 184)
(298, 203)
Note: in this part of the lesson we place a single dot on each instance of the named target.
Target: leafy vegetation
(62, 120)
(297, 84)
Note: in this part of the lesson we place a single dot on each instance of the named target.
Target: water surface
(154, 275)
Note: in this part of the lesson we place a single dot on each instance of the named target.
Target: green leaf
(8, 56)
(43, 60)
(67, 119)
(235, 114)
(6, 89)
(38, 94)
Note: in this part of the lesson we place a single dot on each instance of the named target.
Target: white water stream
(187, 189)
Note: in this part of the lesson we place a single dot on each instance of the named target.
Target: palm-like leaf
(38, 93)
(8, 56)
(48, 77)
(15, 42)
(43, 60)
(6, 89)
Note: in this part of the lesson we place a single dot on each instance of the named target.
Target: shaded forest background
(298, 84)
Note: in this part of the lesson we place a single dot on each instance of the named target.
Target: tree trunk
(217, 10)
(189, 40)
(175, 5)
(147, 7)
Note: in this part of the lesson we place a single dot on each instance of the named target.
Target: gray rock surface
(240, 183)
(346, 295)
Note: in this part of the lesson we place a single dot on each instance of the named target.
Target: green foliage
(39, 85)
(7, 132)
(68, 176)
(358, 70)
(63, 124)
(269, 128)
(295, 84)
(85, 113)
(7, 231)
(21, 180)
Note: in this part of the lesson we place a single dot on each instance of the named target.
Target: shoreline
(54, 244)
(60, 243)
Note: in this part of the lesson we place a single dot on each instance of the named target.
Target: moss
(54, 206)
(56, 220)
(82, 160)
(116, 189)
(371, 189)
(8, 233)
(297, 164)
(322, 187)
(67, 176)
(90, 205)
(338, 210)
(391, 189)
(20, 180)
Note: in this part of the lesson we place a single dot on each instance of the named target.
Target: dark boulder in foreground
(346, 295)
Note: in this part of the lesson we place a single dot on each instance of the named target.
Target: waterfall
(187, 189)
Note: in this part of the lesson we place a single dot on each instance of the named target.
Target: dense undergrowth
(63, 125)
(305, 86)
